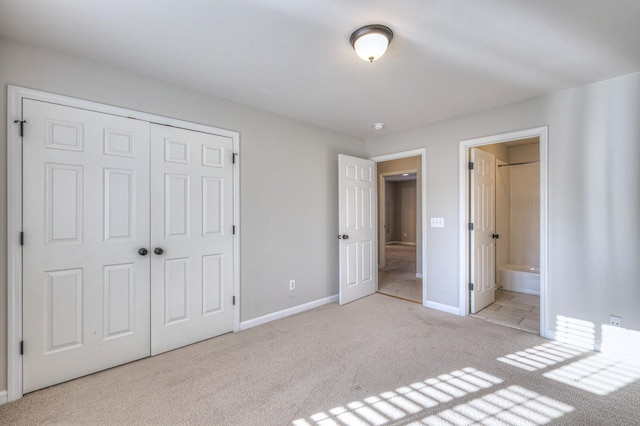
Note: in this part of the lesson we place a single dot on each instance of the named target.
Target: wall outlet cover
(437, 222)
(615, 320)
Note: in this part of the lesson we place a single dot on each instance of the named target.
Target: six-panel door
(101, 192)
(86, 214)
(191, 222)
(483, 246)
(357, 222)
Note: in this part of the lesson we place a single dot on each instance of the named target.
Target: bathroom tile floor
(513, 309)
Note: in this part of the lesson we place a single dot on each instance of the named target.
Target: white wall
(503, 215)
(594, 200)
(288, 176)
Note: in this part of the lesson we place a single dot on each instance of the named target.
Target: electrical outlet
(616, 321)
(292, 285)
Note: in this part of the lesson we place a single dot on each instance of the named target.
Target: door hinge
(470, 226)
(234, 301)
(21, 122)
(233, 158)
(21, 238)
(21, 347)
(471, 286)
(233, 230)
(470, 165)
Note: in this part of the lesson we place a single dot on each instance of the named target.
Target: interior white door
(357, 226)
(482, 243)
(191, 237)
(85, 216)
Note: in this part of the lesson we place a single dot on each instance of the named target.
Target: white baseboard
(287, 312)
(418, 275)
(3, 397)
(442, 307)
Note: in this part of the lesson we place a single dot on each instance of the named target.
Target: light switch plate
(437, 222)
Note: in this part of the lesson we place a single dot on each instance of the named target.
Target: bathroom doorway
(504, 204)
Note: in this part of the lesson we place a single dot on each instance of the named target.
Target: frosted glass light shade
(370, 42)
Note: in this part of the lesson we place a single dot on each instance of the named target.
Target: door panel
(85, 215)
(192, 213)
(90, 300)
(119, 300)
(358, 221)
(483, 248)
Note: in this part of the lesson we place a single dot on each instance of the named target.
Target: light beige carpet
(378, 360)
(398, 277)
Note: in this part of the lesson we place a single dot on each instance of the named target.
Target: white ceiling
(293, 57)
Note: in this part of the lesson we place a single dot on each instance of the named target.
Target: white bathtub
(520, 278)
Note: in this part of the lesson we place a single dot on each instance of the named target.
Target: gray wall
(389, 211)
(404, 212)
(289, 170)
(594, 200)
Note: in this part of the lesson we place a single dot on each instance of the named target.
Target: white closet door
(86, 215)
(191, 228)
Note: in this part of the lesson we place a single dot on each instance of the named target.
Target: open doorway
(504, 206)
(515, 213)
(400, 268)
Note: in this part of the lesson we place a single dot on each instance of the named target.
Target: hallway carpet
(375, 361)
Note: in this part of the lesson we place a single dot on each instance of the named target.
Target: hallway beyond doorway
(398, 277)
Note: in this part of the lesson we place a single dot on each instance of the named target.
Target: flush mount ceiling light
(371, 41)
(378, 126)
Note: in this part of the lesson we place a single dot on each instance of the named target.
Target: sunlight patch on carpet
(542, 356)
(404, 401)
(513, 406)
(600, 374)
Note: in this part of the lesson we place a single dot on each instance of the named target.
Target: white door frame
(422, 153)
(14, 210)
(542, 134)
(382, 240)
